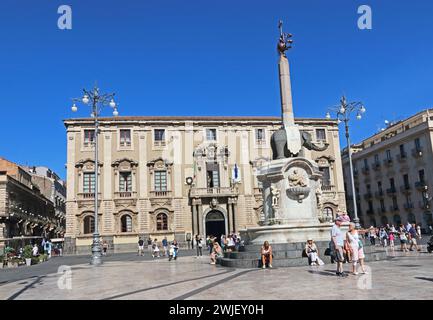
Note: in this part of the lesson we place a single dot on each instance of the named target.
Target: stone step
(290, 262)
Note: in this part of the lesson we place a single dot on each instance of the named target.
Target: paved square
(405, 276)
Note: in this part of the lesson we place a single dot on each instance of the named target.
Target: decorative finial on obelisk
(285, 43)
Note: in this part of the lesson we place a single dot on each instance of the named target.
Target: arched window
(384, 220)
(126, 223)
(161, 222)
(397, 220)
(328, 213)
(89, 224)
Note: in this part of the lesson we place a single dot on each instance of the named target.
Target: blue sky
(202, 57)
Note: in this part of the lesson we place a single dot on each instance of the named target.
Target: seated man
(266, 253)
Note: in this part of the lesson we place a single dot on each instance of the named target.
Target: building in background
(393, 172)
(144, 165)
(31, 205)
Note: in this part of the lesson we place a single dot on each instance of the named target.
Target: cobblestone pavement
(404, 276)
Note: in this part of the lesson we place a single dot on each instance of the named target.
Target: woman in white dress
(313, 253)
(356, 245)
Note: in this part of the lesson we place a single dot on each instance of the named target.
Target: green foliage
(27, 252)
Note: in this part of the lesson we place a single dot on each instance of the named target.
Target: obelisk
(292, 131)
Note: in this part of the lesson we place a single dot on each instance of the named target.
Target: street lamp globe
(74, 108)
(328, 115)
(112, 103)
(358, 116)
(115, 113)
(85, 99)
(362, 109)
(338, 121)
(342, 110)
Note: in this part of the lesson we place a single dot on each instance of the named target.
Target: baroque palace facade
(144, 163)
(392, 173)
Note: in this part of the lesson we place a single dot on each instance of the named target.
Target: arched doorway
(215, 224)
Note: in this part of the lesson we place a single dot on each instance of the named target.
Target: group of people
(407, 234)
(168, 250)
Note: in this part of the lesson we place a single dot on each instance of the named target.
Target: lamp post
(343, 113)
(96, 101)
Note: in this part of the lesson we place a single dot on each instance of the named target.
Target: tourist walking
(104, 247)
(48, 247)
(140, 247)
(383, 236)
(149, 244)
(403, 239)
(337, 243)
(155, 249)
(199, 245)
(391, 240)
(413, 235)
(165, 246)
(266, 254)
(356, 245)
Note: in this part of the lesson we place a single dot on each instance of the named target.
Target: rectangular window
(88, 182)
(160, 180)
(417, 144)
(213, 177)
(368, 188)
(379, 186)
(392, 183)
(394, 202)
(125, 182)
(406, 181)
(370, 206)
(260, 136)
(125, 137)
(159, 137)
(376, 158)
(89, 137)
(402, 152)
(388, 154)
(382, 205)
(211, 134)
(326, 176)
(320, 134)
(421, 175)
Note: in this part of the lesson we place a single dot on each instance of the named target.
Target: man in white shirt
(337, 241)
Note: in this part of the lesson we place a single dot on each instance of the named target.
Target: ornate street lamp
(343, 113)
(96, 101)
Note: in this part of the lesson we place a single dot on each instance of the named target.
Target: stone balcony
(160, 194)
(405, 189)
(421, 185)
(214, 192)
(84, 196)
(379, 194)
(125, 195)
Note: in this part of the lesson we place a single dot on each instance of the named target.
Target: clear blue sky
(203, 57)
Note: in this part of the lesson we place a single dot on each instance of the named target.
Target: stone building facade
(27, 208)
(144, 163)
(392, 173)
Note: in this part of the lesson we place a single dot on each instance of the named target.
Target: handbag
(327, 252)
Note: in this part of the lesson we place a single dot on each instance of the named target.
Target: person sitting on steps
(266, 254)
